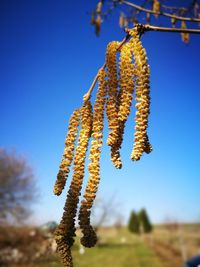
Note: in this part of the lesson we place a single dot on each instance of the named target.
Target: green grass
(122, 249)
(116, 249)
(131, 255)
(116, 255)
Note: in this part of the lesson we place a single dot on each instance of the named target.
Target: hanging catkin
(116, 94)
(68, 152)
(141, 143)
(118, 133)
(124, 100)
(126, 80)
(89, 236)
(66, 229)
(111, 103)
(148, 147)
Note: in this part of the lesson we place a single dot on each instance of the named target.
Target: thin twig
(175, 8)
(165, 29)
(160, 13)
(86, 97)
(142, 28)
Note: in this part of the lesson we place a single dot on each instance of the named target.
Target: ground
(166, 246)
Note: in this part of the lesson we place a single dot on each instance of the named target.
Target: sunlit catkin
(124, 101)
(115, 89)
(126, 80)
(89, 236)
(66, 229)
(141, 143)
(68, 152)
(111, 103)
(118, 132)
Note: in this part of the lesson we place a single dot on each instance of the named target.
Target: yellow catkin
(68, 154)
(118, 103)
(148, 147)
(126, 80)
(89, 238)
(141, 143)
(111, 104)
(66, 229)
(64, 251)
(125, 96)
(115, 153)
(118, 132)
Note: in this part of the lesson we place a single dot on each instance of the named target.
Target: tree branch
(160, 13)
(148, 27)
(86, 97)
(141, 28)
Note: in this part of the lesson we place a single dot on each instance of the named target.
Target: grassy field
(131, 255)
(119, 248)
(135, 255)
(177, 237)
(175, 242)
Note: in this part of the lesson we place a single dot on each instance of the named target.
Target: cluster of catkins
(116, 83)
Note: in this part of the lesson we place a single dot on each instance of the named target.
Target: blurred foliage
(145, 221)
(134, 224)
(139, 222)
(17, 188)
(154, 12)
(117, 247)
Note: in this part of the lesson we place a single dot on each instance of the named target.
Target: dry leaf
(92, 21)
(173, 21)
(99, 7)
(184, 35)
(121, 20)
(196, 10)
(148, 17)
(156, 7)
(98, 24)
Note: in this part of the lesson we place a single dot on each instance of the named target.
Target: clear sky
(49, 56)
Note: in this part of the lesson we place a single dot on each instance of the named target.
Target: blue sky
(49, 55)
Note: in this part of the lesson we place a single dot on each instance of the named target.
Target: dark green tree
(133, 224)
(144, 221)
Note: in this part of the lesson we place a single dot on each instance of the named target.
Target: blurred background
(147, 213)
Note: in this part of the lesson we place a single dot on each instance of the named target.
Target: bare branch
(17, 187)
(142, 28)
(165, 29)
(160, 13)
(86, 97)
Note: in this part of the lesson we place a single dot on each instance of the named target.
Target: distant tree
(144, 221)
(105, 212)
(133, 224)
(17, 188)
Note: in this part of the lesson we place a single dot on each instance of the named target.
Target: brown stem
(160, 13)
(142, 28)
(86, 97)
(165, 29)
